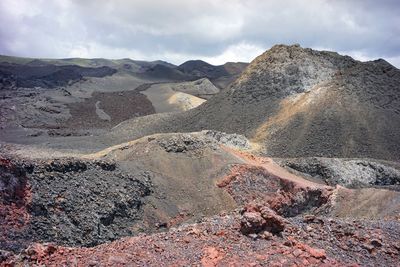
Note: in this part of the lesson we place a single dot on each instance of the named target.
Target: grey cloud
(182, 29)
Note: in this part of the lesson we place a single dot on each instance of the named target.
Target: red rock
(211, 257)
(274, 222)
(261, 257)
(314, 252)
(313, 261)
(266, 235)
(112, 260)
(297, 252)
(220, 233)
(252, 222)
(317, 253)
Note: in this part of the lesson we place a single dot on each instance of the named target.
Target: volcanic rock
(298, 102)
(261, 219)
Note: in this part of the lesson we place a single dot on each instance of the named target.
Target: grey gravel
(347, 172)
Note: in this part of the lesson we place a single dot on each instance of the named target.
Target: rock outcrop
(297, 102)
(68, 201)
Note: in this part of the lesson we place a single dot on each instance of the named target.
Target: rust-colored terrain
(295, 163)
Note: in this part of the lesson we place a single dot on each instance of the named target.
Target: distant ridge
(221, 75)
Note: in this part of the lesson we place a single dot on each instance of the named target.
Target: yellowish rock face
(165, 99)
(185, 101)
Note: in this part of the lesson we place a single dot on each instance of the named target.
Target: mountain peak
(287, 69)
(194, 64)
(296, 101)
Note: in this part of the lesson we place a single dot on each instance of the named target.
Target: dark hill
(300, 102)
(221, 75)
(296, 102)
(200, 68)
(164, 72)
(41, 74)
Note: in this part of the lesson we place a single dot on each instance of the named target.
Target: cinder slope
(293, 102)
(299, 102)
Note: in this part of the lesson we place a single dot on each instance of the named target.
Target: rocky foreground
(258, 237)
(276, 217)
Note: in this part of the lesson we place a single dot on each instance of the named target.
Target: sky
(212, 30)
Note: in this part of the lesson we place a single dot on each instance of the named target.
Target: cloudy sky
(213, 30)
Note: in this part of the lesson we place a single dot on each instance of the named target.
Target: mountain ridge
(353, 106)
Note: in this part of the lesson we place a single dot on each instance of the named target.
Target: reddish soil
(273, 168)
(218, 241)
(14, 201)
(283, 220)
(262, 180)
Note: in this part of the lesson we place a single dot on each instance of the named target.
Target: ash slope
(297, 102)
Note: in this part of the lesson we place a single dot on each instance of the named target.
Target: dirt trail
(273, 168)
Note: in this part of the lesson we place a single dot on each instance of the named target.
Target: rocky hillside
(297, 102)
(294, 102)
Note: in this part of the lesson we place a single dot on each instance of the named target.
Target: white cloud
(94, 50)
(242, 52)
(21, 8)
(213, 30)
